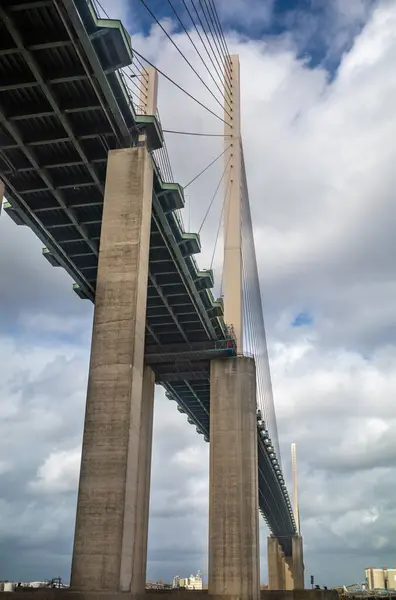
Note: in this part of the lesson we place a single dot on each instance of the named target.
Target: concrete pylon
(232, 267)
(110, 544)
(234, 562)
(298, 562)
(276, 565)
(285, 572)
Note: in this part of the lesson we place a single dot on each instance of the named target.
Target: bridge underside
(63, 106)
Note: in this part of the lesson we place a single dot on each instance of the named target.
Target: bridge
(84, 165)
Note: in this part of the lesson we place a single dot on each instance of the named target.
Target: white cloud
(58, 473)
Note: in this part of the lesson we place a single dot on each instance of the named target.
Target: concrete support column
(110, 543)
(298, 562)
(234, 563)
(276, 565)
(288, 570)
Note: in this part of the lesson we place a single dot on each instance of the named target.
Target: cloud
(320, 161)
(58, 473)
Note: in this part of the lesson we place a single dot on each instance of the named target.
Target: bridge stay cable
(214, 196)
(255, 315)
(179, 86)
(197, 133)
(207, 167)
(199, 53)
(221, 30)
(223, 78)
(219, 64)
(213, 32)
(220, 222)
(183, 56)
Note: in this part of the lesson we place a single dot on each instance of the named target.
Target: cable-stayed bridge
(78, 106)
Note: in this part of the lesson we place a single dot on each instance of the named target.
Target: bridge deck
(63, 106)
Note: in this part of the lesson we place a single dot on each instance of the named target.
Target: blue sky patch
(320, 29)
(302, 319)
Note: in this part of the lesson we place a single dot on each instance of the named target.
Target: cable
(140, 63)
(253, 311)
(180, 88)
(139, 87)
(226, 82)
(183, 55)
(220, 221)
(196, 133)
(218, 30)
(207, 37)
(227, 52)
(141, 77)
(206, 168)
(209, 22)
(198, 52)
(214, 195)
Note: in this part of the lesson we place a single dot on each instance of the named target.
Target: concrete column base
(234, 562)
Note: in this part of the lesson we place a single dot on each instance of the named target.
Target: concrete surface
(234, 564)
(298, 562)
(276, 566)
(285, 572)
(110, 542)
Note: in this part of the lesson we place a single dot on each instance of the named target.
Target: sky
(319, 131)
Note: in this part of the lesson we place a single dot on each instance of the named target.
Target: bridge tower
(234, 562)
(110, 543)
(286, 571)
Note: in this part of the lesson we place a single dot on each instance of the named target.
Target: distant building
(391, 579)
(10, 586)
(380, 579)
(194, 582)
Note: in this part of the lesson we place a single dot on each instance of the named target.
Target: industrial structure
(194, 582)
(380, 579)
(84, 167)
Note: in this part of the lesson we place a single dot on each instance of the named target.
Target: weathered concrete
(276, 565)
(288, 573)
(110, 544)
(234, 563)
(298, 562)
(285, 572)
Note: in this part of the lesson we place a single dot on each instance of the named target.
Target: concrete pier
(110, 544)
(285, 572)
(234, 564)
(298, 562)
(276, 565)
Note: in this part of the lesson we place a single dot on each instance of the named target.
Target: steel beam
(35, 69)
